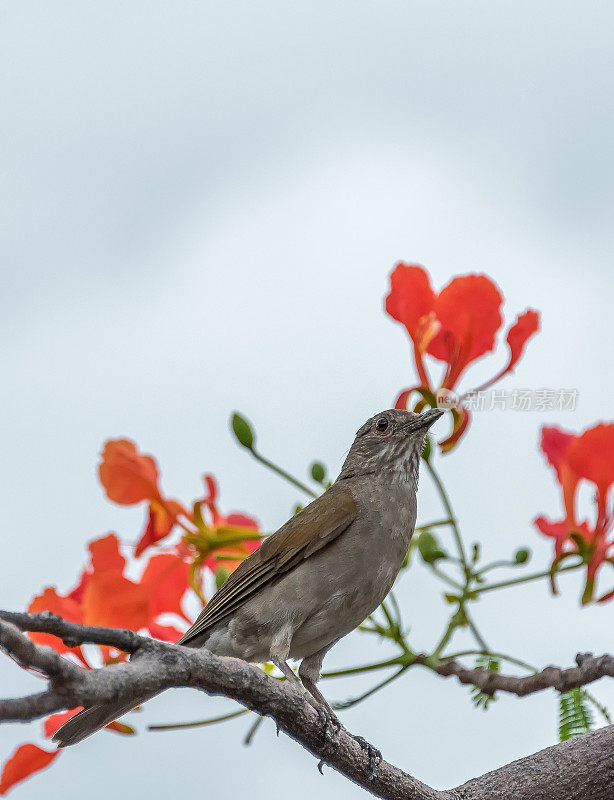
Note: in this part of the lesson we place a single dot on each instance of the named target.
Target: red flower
(588, 456)
(113, 600)
(128, 477)
(66, 607)
(105, 596)
(457, 326)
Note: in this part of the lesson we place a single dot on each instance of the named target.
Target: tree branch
(568, 771)
(590, 668)
(73, 634)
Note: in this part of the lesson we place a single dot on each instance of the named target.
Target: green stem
(252, 731)
(367, 629)
(448, 507)
(525, 579)
(397, 610)
(438, 523)
(234, 538)
(391, 623)
(282, 473)
(494, 565)
(340, 673)
(478, 636)
(447, 635)
(199, 724)
(355, 700)
(445, 577)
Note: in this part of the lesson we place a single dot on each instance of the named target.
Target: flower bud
(318, 472)
(429, 547)
(243, 431)
(522, 555)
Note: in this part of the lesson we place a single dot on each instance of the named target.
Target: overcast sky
(200, 207)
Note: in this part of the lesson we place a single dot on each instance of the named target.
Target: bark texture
(578, 769)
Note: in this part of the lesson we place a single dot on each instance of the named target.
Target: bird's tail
(90, 720)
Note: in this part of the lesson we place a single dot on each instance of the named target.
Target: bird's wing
(310, 530)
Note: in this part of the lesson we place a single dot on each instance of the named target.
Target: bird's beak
(425, 420)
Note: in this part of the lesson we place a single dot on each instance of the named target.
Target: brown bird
(320, 575)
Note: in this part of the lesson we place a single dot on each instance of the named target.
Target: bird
(319, 576)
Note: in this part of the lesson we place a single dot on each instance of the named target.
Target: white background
(200, 206)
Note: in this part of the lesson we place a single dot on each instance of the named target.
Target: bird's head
(391, 441)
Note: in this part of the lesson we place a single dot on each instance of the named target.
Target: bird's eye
(381, 425)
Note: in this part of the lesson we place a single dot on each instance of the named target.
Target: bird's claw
(375, 756)
(331, 727)
(330, 724)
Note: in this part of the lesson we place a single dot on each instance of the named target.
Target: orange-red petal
(554, 443)
(55, 721)
(526, 325)
(121, 728)
(559, 530)
(168, 633)
(591, 456)
(469, 310)
(403, 398)
(105, 554)
(411, 301)
(109, 598)
(25, 761)
(127, 476)
(160, 522)
(66, 607)
(242, 521)
(212, 490)
(462, 419)
(112, 600)
(165, 580)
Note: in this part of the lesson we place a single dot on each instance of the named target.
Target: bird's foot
(330, 724)
(375, 756)
(330, 727)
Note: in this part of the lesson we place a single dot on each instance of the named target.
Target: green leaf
(479, 698)
(318, 472)
(426, 448)
(429, 547)
(243, 431)
(575, 716)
